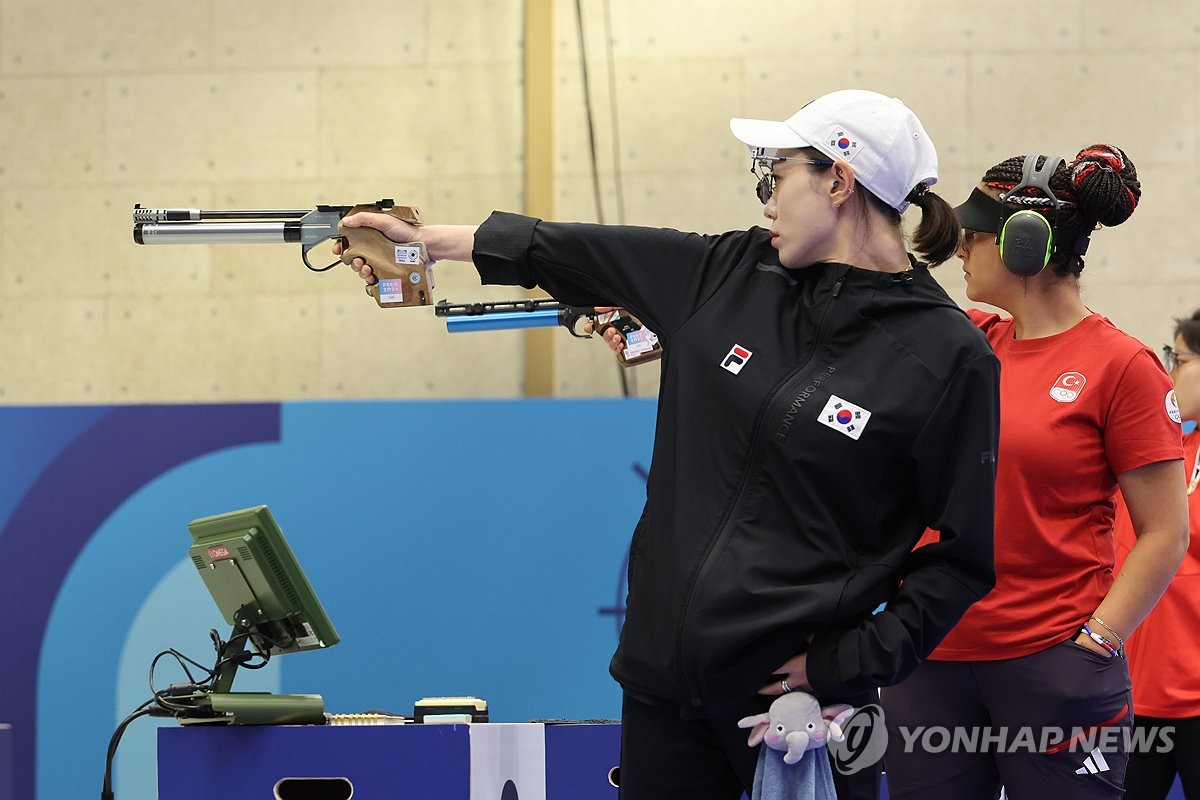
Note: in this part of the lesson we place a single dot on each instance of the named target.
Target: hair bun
(1106, 184)
(1104, 156)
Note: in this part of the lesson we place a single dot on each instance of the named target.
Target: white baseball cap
(883, 140)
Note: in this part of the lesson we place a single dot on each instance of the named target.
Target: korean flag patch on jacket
(844, 417)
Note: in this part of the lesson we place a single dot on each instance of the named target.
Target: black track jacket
(811, 424)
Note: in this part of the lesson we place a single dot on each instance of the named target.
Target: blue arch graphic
(481, 541)
(68, 501)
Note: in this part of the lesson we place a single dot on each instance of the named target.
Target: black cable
(618, 188)
(160, 704)
(622, 372)
(106, 790)
(161, 697)
(587, 109)
(175, 690)
(242, 658)
(628, 380)
(183, 662)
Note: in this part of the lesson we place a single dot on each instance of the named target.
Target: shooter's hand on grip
(611, 336)
(625, 335)
(397, 274)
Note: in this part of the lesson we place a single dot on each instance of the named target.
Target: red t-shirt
(1077, 409)
(1165, 649)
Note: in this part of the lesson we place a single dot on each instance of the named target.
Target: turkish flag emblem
(1068, 386)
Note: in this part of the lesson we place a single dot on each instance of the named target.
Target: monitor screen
(257, 583)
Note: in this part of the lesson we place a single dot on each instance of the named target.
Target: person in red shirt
(1164, 650)
(1032, 683)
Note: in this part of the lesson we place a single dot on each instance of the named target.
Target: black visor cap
(980, 213)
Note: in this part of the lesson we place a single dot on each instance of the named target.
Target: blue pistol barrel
(503, 320)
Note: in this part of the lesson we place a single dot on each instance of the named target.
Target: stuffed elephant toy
(796, 723)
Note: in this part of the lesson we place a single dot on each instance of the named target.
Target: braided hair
(1100, 185)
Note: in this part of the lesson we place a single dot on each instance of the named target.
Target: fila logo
(1068, 386)
(736, 358)
(1093, 764)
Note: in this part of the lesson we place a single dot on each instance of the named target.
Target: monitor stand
(220, 706)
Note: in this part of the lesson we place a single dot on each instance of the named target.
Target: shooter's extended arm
(404, 271)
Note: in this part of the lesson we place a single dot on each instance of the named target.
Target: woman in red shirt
(1030, 690)
(1165, 650)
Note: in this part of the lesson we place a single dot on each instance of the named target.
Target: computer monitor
(262, 592)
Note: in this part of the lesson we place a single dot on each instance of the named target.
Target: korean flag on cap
(842, 143)
(844, 417)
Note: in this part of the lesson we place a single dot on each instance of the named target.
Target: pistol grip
(404, 274)
(641, 344)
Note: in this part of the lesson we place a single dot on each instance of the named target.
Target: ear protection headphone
(1026, 237)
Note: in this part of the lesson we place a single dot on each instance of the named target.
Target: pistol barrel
(215, 232)
(503, 320)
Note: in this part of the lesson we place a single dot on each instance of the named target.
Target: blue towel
(810, 778)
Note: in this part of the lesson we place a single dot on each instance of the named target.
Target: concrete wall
(226, 104)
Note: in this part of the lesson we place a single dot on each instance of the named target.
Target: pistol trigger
(576, 319)
(307, 263)
(591, 318)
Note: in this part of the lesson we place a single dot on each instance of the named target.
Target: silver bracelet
(1103, 624)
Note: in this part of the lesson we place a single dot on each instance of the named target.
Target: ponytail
(937, 236)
